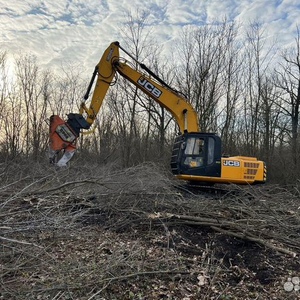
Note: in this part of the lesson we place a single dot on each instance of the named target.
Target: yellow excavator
(196, 156)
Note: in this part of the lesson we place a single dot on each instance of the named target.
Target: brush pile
(136, 233)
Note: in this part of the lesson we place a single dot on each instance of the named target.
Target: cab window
(210, 150)
(194, 146)
(194, 151)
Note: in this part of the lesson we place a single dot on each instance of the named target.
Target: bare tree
(136, 40)
(257, 107)
(288, 80)
(205, 53)
(13, 125)
(34, 95)
(3, 76)
(233, 90)
(27, 74)
(3, 90)
(271, 118)
(67, 89)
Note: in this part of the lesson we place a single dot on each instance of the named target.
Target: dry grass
(105, 233)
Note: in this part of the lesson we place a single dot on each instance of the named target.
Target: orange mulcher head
(63, 135)
(61, 138)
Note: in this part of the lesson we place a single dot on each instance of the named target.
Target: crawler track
(215, 191)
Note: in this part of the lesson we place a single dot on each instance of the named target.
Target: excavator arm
(110, 64)
(63, 134)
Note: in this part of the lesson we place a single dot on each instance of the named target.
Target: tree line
(242, 87)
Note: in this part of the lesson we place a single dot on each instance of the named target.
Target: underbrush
(106, 233)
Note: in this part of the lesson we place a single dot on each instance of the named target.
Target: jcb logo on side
(149, 87)
(231, 163)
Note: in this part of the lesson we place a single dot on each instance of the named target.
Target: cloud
(79, 31)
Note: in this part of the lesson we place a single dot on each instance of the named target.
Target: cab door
(200, 154)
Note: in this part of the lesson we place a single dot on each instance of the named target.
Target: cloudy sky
(57, 31)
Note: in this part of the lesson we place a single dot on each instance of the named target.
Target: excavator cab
(197, 157)
(197, 154)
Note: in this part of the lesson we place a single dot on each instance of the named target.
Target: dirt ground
(81, 233)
